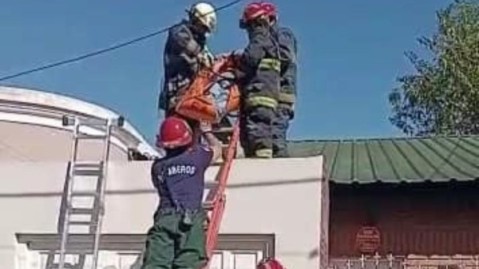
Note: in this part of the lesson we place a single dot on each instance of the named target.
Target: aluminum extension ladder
(72, 215)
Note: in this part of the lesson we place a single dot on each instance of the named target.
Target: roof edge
(362, 139)
(51, 105)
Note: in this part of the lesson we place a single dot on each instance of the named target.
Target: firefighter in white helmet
(185, 52)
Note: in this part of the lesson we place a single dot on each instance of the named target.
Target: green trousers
(171, 244)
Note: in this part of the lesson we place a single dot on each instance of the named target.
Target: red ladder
(216, 198)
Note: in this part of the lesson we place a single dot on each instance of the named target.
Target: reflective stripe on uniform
(262, 101)
(264, 153)
(287, 98)
(271, 64)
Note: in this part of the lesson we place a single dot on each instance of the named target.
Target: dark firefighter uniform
(180, 62)
(177, 238)
(259, 70)
(287, 92)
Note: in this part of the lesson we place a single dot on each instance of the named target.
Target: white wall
(280, 196)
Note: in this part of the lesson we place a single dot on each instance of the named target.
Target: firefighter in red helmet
(258, 74)
(177, 237)
(288, 90)
(270, 263)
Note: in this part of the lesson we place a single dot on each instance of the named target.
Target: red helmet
(270, 263)
(252, 12)
(174, 132)
(270, 10)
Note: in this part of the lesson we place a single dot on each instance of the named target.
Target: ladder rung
(208, 205)
(82, 211)
(87, 169)
(65, 266)
(82, 223)
(73, 249)
(84, 172)
(91, 137)
(70, 120)
(88, 164)
(84, 193)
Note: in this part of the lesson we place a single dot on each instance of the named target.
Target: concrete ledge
(279, 196)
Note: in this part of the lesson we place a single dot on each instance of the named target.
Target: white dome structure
(31, 128)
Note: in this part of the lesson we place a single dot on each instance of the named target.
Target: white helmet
(205, 14)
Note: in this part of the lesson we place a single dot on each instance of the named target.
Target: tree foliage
(442, 96)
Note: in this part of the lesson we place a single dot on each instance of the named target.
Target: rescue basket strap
(270, 64)
(262, 101)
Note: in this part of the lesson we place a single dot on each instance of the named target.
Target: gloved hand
(206, 59)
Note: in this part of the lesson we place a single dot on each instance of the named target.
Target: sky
(350, 54)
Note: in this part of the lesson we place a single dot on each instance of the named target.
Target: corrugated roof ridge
(396, 138)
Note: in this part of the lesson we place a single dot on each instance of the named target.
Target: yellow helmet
(205, 14)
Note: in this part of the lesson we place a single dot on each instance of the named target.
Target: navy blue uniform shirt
(180, 180)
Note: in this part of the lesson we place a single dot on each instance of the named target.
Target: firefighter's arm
(288, 45)
(187, 45)
(251, 56)
(154, 176)
(254, 52)
(185, 42)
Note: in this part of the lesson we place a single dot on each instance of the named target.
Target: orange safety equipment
(197, 103)
(252, 12)
(174, 132)
(270, 263)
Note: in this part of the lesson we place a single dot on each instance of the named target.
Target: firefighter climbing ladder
(227, 132)
(214, 204)
(77, 215)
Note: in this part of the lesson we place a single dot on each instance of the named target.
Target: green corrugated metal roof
(395, 160)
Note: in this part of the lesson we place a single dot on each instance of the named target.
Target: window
(123, 251)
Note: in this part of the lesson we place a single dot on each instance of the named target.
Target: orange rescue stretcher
(197, 102)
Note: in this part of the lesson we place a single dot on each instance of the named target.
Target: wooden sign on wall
(368, 239)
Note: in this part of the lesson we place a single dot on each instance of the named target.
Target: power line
(102, 51)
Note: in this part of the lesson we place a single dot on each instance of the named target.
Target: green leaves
(442, 97)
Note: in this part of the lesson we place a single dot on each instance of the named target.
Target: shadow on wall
(313, 254)
(152, 191)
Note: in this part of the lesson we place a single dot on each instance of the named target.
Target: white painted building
(274, 207)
